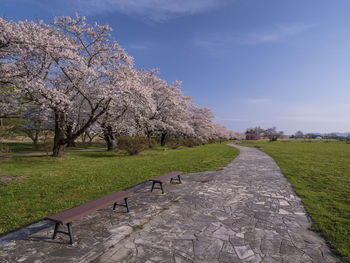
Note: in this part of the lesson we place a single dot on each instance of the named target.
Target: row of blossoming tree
(75, 78)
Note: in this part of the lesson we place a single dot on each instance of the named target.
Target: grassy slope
(34, 187)
(320, 174)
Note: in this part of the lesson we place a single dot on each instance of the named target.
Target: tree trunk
(69, 133)
(59, 141)
(71, 143)
(83, 138)
(33, 135)
(90, 139)
(163, 139)
(35, 139)
(110, 139)
(149, 140)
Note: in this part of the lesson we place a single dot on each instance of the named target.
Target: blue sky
(253, 62)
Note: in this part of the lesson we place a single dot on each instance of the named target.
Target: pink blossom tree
(68, 68)
(129, 107)
(202, 122)
(170, 115)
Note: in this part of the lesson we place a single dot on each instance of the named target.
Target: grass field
(32, 188)
(320, 174)
(27, 147)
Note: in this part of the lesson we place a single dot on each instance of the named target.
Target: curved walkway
(247, 212)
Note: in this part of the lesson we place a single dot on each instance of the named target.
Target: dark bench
(173, 176)
(66, 217)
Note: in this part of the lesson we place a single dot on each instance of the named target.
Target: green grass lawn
(20, 147)
(320, 174)
(27, 147)
(32, 188)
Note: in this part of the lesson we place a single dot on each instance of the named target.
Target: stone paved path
(246, 213)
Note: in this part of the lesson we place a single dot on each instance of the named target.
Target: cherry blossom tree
(69, 68)
(202, 122)
(170, 114)
(128, 109)
(80, 77)
(272, 134)
(221, 132)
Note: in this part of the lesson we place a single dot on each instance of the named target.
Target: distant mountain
(343, 134)
(340, 134)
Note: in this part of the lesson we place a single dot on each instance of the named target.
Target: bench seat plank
(166, 177)
(77, 212)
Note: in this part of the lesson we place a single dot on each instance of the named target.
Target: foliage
(272, 134)
(152, 143)
(10, 127)
(257, 130)
(252, 136)
(191, 142)
(320, 174)
(4, 149)
(36, 187)
(299, 134)
(175, 143)
(256, 133)
(133, 145)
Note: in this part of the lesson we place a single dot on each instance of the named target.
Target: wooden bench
(173, 176)
(66, 217)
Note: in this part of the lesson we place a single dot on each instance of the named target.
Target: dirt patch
(5, 180)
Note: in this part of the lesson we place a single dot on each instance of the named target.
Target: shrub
(174, 143)
(210, 141)
(133, 145)
(4, 149)
(191, 142)
(152, 143)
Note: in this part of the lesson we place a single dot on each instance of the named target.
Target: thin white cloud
(275, 34)
(155, 10)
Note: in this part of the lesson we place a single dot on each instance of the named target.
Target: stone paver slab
(247, 212)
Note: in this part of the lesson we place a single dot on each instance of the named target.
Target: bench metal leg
(174, 179)
(161, 186)
(55, 231)
(70, 231)
(126, 205)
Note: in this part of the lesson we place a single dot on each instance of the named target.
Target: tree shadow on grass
(100, 154)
